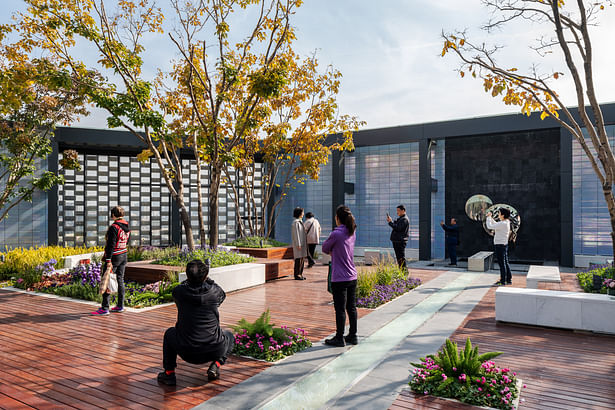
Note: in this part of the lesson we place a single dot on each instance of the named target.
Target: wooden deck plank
(562, 369)
(58, 356)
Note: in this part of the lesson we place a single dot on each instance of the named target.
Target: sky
(389, 55)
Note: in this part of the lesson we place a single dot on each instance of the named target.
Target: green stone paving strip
(316, 389)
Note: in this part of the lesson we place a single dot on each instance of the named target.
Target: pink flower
(454, 369)
(488, 395)
(480, 389)
(444, 376)
(525, 386)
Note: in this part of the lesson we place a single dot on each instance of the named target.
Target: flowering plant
(262, 341)
(609, 283)
(465, 376)
(381, 294)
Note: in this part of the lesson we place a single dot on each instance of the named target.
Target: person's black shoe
(213, 373)
(300, 277)
(335, 341)
(310, 266)
(168, 379)
(509, 283)
(452, 264)
(499, 283)
(351, 339)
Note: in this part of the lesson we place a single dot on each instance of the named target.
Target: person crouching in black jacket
(197, 337)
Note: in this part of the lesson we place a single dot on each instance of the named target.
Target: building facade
(535, 166)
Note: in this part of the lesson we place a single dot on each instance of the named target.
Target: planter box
(145, 272)
(75, 260)
(236, 277)
(282, 252)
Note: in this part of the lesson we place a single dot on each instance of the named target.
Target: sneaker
(100, 312)
(509, 283)
(335, 341)
(117, 309)
(499, 283)
(351, 339)
(213, 373)
(168, 379)
(300, 277)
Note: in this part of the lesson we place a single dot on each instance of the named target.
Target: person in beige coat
(297, 232)
(312, 230)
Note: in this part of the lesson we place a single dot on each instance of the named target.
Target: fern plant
(455, 363)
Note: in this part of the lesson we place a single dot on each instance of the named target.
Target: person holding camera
(197, 336)
(452, 239)
(500, 242)
(400, 235)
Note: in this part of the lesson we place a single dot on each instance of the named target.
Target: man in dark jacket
(452, 239)
(115, 259)
(400, 234)
(197, 337)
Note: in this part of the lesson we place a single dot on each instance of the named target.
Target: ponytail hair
(346, 218)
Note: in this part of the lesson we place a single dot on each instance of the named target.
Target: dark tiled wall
(522, 170)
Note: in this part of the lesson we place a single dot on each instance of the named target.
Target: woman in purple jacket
(340, 245)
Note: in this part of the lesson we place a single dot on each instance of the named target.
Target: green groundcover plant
(586, 278)
(217, 258)
(262, 340)
(83, 282)
(256, 242)
(383, 283)
(144, 253)
(465, 376)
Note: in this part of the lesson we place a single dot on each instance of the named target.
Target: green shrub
(262, 340)
(20, 259)
(256, 242)
(145, 253)
(28, 277)
(76, 291)
(217, 258)
(385, 272)
(586, 278)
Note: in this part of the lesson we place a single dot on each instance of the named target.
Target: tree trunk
(183, 212)
(214, 189)
(610, 203)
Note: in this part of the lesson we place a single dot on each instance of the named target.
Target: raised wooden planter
(282, 252)
(145, 272)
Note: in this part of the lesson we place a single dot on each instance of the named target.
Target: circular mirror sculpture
(476, 207)
(515, 219)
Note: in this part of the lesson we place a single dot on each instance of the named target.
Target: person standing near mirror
(400, 234)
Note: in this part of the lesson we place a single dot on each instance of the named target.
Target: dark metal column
(52, 196)
(424, 201)
(337, 183)
(566, 233)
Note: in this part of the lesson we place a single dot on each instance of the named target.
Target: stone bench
(371, 256)
(481, 261)
(538, 273)
(235, 277)
(554, 308)
(74, 260)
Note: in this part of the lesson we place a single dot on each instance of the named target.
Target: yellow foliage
(20, 259)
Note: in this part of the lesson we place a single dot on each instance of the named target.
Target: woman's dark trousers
(119, 265)
(345, 300)
(299, 263)
(501, 251)
(311, 250)
(170, 350)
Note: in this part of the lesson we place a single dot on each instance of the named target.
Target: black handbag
(329, 280)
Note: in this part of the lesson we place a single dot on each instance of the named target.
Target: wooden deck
(56, 355)
(562, 369)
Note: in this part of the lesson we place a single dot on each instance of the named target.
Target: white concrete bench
(554, 308)
(235, 277)
(73, 260)
(371, 256)
(538, 273)
(481, 261)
